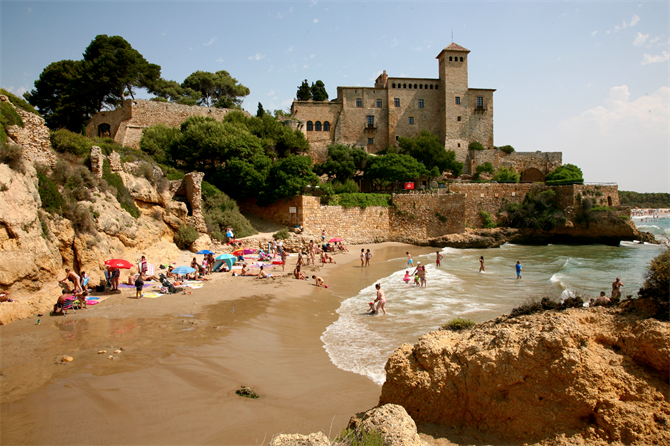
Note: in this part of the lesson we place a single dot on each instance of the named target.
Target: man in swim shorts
(409, 259)
(438, 259)
(380, 300)
(518, 270)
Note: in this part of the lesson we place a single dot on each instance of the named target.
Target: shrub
(12, 155)
(359, 200)
(537, 305)
(19, 102)
(476, 145)
(487, 220)
(458, 324)
(441, 217)
(348, 437)
(80, 217)
(65, 141)
(486, 167)
(348, 187)
(220, 212)
(282, 234)
(657, 283)
(538, 211)
(185, 236)
(52, 200)
(505, 175)
(156, 141)
(122, 195)
(507, 149)
(8, 116)
(565, 174)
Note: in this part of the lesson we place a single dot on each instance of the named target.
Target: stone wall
(420, 216)
(127, 122)
(33, 137)
(488, 197)
(525, 163)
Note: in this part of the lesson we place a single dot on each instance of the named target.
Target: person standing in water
(362, 258)
(616, 288)
(380, 300)
(409, 259)
(482, 268)
(368, 256)
(518, 270)
(438, 259)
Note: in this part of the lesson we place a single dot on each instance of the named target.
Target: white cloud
(589, 85)
(634, 20)
(257, 56)
(640, 39)
(290, 48)
(654, 40)
(210, 42)
(648, 58)
(271, 93)
(316, 20)
(311, 56)
(220, 59)
(305, 66)
(622, 140)
(282, 14)
(593, 34)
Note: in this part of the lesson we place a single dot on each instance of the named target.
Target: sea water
(362, 343)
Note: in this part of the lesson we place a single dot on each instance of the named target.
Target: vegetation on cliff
(644, 200)
(565, 174)
(657, 284)
(539, 210)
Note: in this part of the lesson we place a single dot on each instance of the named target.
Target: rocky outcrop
(318, 439)
(588, 376)
(477, 238)
(33, 137)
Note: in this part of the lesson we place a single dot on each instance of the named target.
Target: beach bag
(100, 288)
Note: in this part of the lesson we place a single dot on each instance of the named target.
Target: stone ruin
(33, 137)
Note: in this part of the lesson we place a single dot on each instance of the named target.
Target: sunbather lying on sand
(264, 275)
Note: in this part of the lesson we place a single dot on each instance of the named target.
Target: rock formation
(589, 376)
(33, 137)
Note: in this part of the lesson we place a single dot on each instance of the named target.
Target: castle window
(410, 86)
(379, 103)
(458, 119)
(310, 126)
(426, 86)
(397, 137)
(480, 102)
(420, 86)
(420, 103)
(459, 144)
(404, 85)
(436, 87)
(317, 126)
(359, 102)
(458, 100)
(450, 59)
(393, 85)
(371, 122)
(371, 140)
(411, 119)
(326, 126)
(461, 59)
(396, 102)
(415, 86)
(431, 86)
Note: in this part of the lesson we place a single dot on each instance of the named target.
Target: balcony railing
(481, 108)
(369, 126)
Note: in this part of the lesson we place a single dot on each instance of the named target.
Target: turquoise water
(362, 344)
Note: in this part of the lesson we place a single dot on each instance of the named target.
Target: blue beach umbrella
(205, 251)
(228, 259)
(181, 270)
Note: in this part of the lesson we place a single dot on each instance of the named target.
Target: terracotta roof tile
(456, 47)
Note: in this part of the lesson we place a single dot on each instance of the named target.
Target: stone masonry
(33, 137)
(193, 185)
(125, 124)
(97, 160)
(532, 166)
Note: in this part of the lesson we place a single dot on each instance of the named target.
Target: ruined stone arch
(532, 175)
(104, 130)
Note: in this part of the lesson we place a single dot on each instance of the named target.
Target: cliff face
(588, 375)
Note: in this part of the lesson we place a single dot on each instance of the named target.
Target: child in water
(416, 279)
(407, 277)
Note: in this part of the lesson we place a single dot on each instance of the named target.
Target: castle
(375, 117)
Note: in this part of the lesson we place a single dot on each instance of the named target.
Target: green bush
(507, 149)
(441, 217)
(52, 200)
(80, 217)
(348, 187)
(476, 145)
(157, 140)
(282, 234)
(185, 236)
(458, 324)
(348, 437)
(8, 116)
(65, 141)
(360, 200)
(487, 220)
(537, 305)
(12, 155)
(486, 167)
(19, 102)
(539, 211)
(220, 212)
(644, 200)
(657, 283)
(122, 195)
(505, 175)
(565, 174)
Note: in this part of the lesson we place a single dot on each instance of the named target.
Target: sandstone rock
(203, 242)
(594, 375)
(33, 137)
(318, 439)
(97, 160)
(141, 189)
(476, 238)
(391, 421)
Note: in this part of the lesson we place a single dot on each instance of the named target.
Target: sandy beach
(182, 358)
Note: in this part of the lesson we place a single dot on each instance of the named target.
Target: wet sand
(182, 358)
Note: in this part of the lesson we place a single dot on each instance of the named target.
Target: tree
(318, 91)
(304, 91)
(216, 89)
(427, 149)
(260, 112)
(505, 175)
(174, 92)
(277, 139)
(287, 177)
(386, 169)
(565, 174)
(343, 162)
(156, 141)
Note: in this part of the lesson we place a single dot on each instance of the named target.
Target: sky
(589, 79)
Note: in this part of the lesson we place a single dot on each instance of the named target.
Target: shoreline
(183, 357)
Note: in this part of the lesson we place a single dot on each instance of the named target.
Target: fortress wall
(545, 162)
(421, 216)
(317, 111)
(489, 197)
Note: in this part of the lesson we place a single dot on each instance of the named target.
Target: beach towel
(125, 285)
(151, 295)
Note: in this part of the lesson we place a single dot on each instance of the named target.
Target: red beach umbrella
(118, 263)
(335, 240)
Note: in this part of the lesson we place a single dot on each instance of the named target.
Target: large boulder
(593, 375)
(391, 422)
(318, 439)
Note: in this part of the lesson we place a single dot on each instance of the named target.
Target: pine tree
(304, 92)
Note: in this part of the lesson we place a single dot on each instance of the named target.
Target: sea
(362, 343)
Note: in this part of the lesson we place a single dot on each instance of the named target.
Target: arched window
(461, 59)
(426, 86)
(421, 86)
(436, 87)
(431, 86)
(310, 126)
(393, 85)
(415, 86)
(326, 126)
(104, 131)
(317, 126)
(450, 59)
(404, 85)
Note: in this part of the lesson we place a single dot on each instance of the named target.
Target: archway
(532, 175)
(104, 131)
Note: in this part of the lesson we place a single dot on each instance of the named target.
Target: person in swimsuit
(409, 259)
(368, 256)
(318, 281)
(362, 258)
(381, 299)
(263, 275)
(72, 277)
(482, 268)
(407, 277)
(616, 288)
(518, 270)
(438, 258)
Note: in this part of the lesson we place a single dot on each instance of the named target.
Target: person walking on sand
(616, 288)
(362, 257)
(380, 300)
(518, 270)
(438, 259)
(284, 256)
(482, 268)
(368, 256)
(409, 259)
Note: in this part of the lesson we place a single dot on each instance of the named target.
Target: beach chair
(71, 304)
